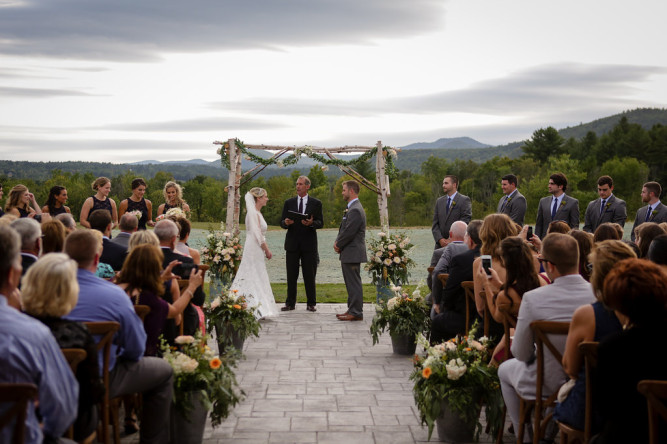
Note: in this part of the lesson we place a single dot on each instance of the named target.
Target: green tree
(546, 142)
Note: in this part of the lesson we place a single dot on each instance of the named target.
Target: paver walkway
(310, 378)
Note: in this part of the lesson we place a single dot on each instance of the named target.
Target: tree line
(630, 154)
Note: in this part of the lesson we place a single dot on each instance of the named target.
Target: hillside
(457, 143)
(646, 117)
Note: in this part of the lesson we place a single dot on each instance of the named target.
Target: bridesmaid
(18, 203)
(173, 197)
(137, 202)
(2, 212)
(55, 204)
(100, 201)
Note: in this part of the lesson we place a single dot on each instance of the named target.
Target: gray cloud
(39, 93)
(203, 124)
(140, 31)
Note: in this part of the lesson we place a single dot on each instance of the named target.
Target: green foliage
(401, 315)
(546, 142)
(389, 261)
(230, 312)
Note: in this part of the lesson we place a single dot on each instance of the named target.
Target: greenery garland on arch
(390, 167)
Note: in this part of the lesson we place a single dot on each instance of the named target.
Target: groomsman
(655, 211)
(351, 246)
(301, 242)
(558, 206)
(512, 203)
(608, 208)
(449, 208)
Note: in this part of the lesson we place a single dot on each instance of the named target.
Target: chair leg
(501, 430)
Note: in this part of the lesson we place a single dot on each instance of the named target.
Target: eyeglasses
(543, 260)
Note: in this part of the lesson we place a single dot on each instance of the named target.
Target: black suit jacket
(453, 296)
(190, 317)
(300, 237)
(26, 261)
(113, 254)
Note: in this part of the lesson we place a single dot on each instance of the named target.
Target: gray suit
(515, 207)
(351, 241)
(568, 212)
(555, 302)
(614, 212)
(460, 209)
(659, 215)
(122, 239)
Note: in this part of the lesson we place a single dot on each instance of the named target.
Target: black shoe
(287, 308)
(311, 308)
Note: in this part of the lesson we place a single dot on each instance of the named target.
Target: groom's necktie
(301, 205)
(553, 210)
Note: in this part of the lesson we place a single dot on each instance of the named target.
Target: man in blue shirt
(29, 353)
(129, 370)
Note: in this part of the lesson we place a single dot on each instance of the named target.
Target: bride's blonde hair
(257, 192)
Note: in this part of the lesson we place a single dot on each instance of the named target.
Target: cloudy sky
(129, 80)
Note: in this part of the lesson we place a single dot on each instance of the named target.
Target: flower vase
(226, 335)
(403, 344)
(383, 292)
(216, 286)
(188, 428)
(452, 428)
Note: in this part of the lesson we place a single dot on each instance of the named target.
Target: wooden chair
(19, 395)
(568, 434)
(430, 269)
(142, 311)
(656, 395)
(469, 288)
(106, 331)
(442, 277)
(74, 356)
(541, 329)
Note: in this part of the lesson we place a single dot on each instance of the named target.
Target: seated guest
(49, 292)
(141, 238)
(53, 236)
(31, 241)
(585, 243)
(657, 251)
(450, 305)
(607, 231)
(435, 257)
(30, 354)
(456, 245)
(182, 247)
(68, 221)
(128, 224)
(112, 254)
(646, 232)
(141, 279)
(590, 323)
(636, 289)
(558, 226)
(555, 302)
(104, 271)
(129, 370)
(2, 212)
(167, 233)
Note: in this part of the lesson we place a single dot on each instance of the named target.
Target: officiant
(302, 216)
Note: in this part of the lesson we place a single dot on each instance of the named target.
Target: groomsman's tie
(504, 203)
(553, 210)
(301, 205)
(648, 213)
(602, 206)
(449, 201)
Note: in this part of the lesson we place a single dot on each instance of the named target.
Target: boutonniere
(562, 204)
(607, 205)
(654, 212)
(453, 203)
(345, 212)
(509, 199)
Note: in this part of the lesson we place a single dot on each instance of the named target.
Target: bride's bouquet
(222, 254)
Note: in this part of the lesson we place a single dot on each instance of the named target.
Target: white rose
(216, 302)
(391, 247)
(387, 261)
(184, 339)
(391, 303)
(381, 234)
(377, 260)
(227, 258)
(397, 260)
(476, 345)
(226, 234)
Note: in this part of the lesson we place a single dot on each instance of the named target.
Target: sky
(126, 80)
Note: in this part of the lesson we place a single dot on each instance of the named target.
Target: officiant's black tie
(301, 205)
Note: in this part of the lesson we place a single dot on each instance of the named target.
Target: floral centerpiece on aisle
(172, 213)
(198, 369)
(232, 318)
(404, 315)
(222, 254)
(458, 372)
(389, 261)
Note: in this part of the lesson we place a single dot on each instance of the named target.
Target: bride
(252, 280)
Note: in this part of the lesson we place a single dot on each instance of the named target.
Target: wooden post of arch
(233, 188)
(382, 181)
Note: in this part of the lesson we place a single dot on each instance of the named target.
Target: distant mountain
(456, 143)
(646, 117)
(173, 162)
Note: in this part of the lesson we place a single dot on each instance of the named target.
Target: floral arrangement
(402, 315)
(136, 213)
(198, 369)
(457, 371)
(389, 262)
(172, 213)
(230, 312)
(222, 253)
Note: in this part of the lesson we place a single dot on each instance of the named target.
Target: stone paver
(310, 378)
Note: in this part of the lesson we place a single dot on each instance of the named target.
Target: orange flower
(235, 291)
(427, 372)
(468, 349)
(215, 363)
(237, 306)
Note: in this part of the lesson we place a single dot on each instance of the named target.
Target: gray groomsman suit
(459, 209)
(614, 212)
(568, 212)
(514, 206)
(658, 215)
(352, 243)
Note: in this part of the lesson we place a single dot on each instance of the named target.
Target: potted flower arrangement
(389, 262)
(203, 382)
(451, 382)
(405, 317)
(233, 320)
(222, 253)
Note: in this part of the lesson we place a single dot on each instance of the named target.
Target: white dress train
(252, 279)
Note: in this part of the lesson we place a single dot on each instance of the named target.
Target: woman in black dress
(100, 201)
(173, 198)
(55, 203)
(136, 202)
(18, 203)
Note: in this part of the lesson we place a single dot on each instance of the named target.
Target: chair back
(469, 289)
(656, 395)
(542, 330)
(590, 352)
(509, 322)
(106, 330)
(142, 311)
(74, 357)
(18, 395)
(442, 277)
(430, 269)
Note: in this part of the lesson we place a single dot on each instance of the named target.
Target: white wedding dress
(252, 279)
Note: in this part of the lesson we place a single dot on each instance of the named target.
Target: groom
(351, 245)
(301, 242)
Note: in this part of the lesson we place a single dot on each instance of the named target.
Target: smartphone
(529, 233)
(486, 263)
(183, 270)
